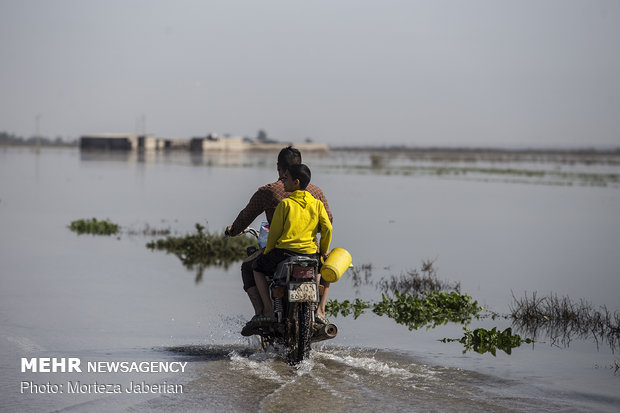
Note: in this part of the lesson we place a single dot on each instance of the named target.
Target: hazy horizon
(449, 73)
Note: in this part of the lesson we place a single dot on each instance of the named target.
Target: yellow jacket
(296, 222)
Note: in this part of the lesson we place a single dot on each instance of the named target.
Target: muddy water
(112, 300)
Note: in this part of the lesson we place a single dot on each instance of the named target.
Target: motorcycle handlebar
(248, 230)
(252, 231)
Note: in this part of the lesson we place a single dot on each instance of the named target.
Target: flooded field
(502, 227)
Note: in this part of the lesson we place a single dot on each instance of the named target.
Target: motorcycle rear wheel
(300, 348)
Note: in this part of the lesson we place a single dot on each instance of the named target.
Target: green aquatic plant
(344, 308)
(94, 226)
(415, 299)
(429, 309)
(202, 249)
(482, 341)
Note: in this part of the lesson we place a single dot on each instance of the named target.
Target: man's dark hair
(301, 172)
(289, 156)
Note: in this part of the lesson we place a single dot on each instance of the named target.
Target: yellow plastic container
(336, 264)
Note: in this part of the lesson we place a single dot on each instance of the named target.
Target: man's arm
(318, 194)
(326, 230)
(253, 209)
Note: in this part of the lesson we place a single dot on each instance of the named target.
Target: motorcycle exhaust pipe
(325, 332)
(330, 330)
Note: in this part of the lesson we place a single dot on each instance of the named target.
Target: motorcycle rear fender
(284, 271)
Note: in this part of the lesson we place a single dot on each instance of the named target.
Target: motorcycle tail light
(302, 272)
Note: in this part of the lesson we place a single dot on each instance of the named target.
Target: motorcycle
(295, 292)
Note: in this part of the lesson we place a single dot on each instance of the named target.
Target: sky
(344, 72)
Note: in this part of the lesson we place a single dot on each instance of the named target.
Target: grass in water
(428, 309)
(561, 319)
(415, 282)
(202, 249)
(415, 299)
(419, 299)
(94, 226)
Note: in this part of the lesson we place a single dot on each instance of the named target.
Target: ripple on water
(346, 379)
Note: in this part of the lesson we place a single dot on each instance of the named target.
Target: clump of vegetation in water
(344, 308)
(482, 341)
(562, 318)
(94, 226)
(429, 309)
(415, 282)
(203, 249)
(419, 299)
(412, 282)
(415, 299)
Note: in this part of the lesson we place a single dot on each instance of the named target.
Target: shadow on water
(211, 352)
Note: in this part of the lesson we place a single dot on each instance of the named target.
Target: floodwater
(110, 299)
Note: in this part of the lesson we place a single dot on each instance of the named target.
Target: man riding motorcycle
(266, 199)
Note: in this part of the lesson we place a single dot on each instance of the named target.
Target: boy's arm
(326, 229)
(275, 228)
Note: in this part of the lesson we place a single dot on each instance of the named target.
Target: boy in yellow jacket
(295, 224)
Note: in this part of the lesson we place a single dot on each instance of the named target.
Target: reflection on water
(201, 250)
(180, 157)
(540, 167)
(564, 319)
(414, 281)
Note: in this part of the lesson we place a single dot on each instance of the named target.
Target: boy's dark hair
(289, 156)
(301, 172)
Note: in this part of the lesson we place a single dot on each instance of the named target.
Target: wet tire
(300, 350)
(305, 330)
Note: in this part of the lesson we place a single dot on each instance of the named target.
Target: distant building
(210, 143)
(214, 143)
(118, 141)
